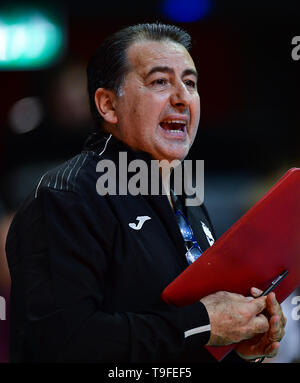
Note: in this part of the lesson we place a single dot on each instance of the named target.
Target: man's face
(158, 109)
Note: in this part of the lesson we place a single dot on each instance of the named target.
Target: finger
(260, 324)
(276, 331)
(264, 347)
(256, 292)
(272, 350)
(273, 306)
(258, 305)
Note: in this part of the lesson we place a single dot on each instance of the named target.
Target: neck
(166, 185)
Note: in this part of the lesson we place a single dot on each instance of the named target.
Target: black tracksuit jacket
(85, 286)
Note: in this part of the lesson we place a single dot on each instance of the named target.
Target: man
(88, 270)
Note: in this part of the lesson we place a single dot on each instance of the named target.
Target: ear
(105, 101)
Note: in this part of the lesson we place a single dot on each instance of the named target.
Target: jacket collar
(97, 140)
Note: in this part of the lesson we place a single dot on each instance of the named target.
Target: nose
(180, 97)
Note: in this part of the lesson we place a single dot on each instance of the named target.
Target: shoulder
(79, 172)
(66, 176)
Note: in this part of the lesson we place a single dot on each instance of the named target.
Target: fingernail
(256, 291)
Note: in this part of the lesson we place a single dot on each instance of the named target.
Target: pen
(275, 283)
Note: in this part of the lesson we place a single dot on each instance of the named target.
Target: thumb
(256, 292)
(258, 305)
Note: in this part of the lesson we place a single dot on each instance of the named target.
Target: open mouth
(173, 126)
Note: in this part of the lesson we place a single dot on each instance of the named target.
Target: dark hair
(108, 66)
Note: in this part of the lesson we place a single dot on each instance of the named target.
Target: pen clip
(277, 279)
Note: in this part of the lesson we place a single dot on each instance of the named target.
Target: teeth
(175, 122)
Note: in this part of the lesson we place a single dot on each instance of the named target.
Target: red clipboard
(253, 252)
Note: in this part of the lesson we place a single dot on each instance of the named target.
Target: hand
(267, 344)
(234, 317)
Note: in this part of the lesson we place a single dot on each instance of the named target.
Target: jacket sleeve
(63, 287)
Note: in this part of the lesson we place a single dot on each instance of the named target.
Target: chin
(174, 155)
(169, 152)
(177, 153)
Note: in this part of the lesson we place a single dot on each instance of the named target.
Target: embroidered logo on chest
(141, 220)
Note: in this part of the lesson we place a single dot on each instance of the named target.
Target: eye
(159, 81)
(190, 83)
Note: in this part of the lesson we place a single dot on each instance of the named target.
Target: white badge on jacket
(141, 220)
(208, 234)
